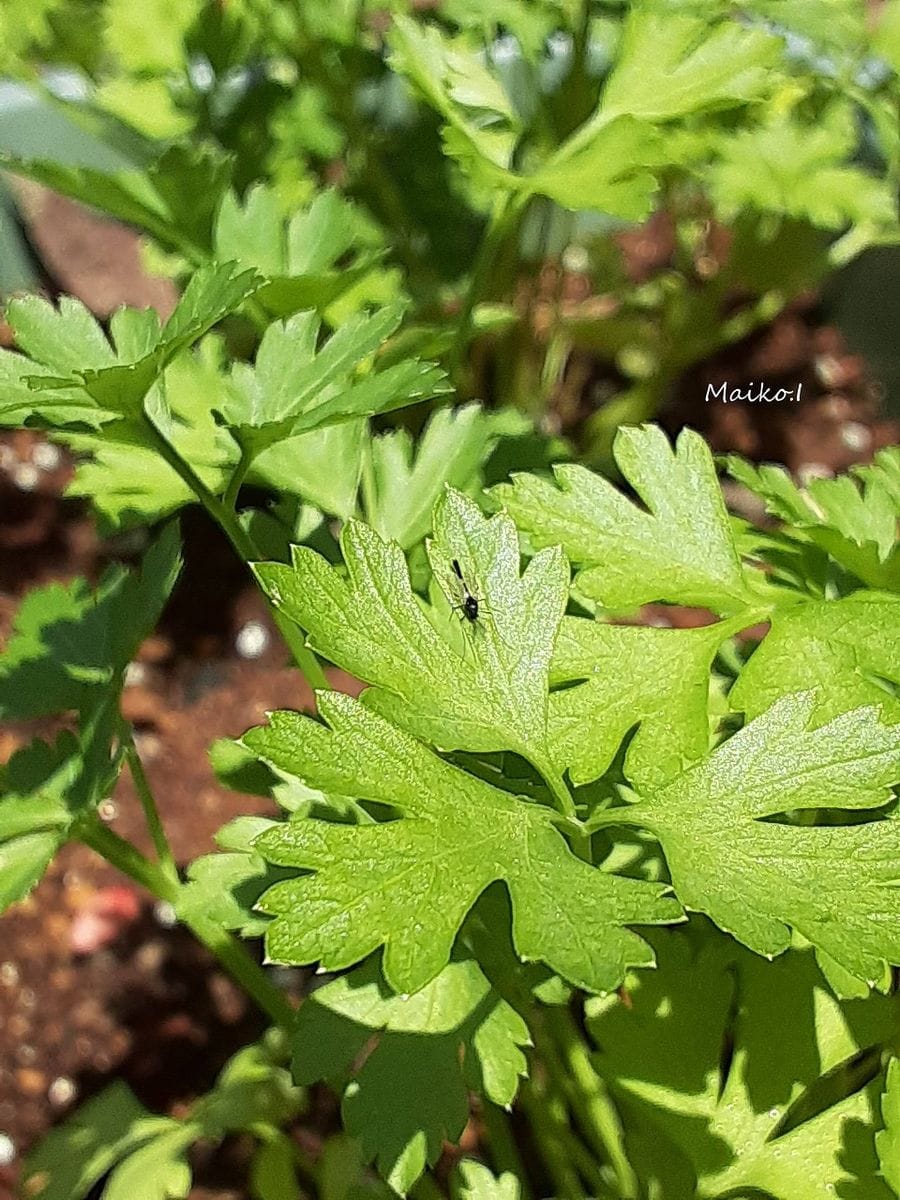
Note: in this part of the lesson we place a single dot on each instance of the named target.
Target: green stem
(245, 547)
(238, 475)
(507, 209)
(242, 968)
(148, 804)
(227, 949)
(591, 1101)
(543, 1117)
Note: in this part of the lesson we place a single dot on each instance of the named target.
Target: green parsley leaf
(407, 884)
(490, 696)
(658, 677)
(798, 169)
(128, 482)
(71, 1158)
(158, 1170)
(323, 467)
(272, 1173)
(842, 650)
(672, 64)
(757, 879)
(407, 478)
(682, 550)
(122, 374)
(411, 1093)
(611, 170)
(481, 126)
(69, 641)
(44, 787)
(174, 199)
(252, 1089)
(856, 525)
(225, 887)
(294, 387)
(300, 258)
(736, 1125)
(478, 1183)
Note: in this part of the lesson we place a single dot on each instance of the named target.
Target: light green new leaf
(252, 1089)
(610, 171)
(411, 1093)
(798, 169)
(856, 525)
(322, 467)
(631, 674)
(225, 887)
(682, 550)
(70, 642)
(837, 885)
(843, 651)
(407, 478)
(299, 257)
(492, 695)
(478, 1182)
(408, 884)
(672, 64)
(142, 349)
(71, 1158)
(733, 1126)
(158, 1170)
(481, 126)
(887, 1142)
(294, 387)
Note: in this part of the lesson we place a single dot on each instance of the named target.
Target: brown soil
(94, 984)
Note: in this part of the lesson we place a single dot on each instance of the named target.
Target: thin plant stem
(506, 212)
(148, 804)
(591, 1101)
(245, 547)
(238, 475)
(126, 857)
(543, 1117)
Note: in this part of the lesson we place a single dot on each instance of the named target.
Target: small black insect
(470, 606)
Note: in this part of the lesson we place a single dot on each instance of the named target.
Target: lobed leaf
(493, 695)
(847, 652)
(758, 879)
(680, 550)
(771, 1117)
(410, 1094)
(658, 678)
(407, 884)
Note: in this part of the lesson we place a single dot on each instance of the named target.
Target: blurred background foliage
(495, 158)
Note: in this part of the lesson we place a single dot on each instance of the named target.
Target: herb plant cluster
(636, 886)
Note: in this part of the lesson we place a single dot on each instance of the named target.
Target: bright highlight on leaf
(489, 695)
(296, 386)
(408, 884)
(682, 550)
(837, 885)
